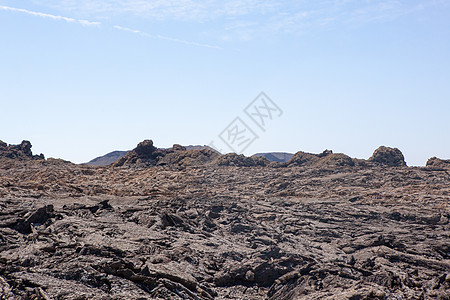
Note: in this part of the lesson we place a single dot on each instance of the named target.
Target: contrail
(44, 15)
(161, 37)
(133, 31)
(90, 23)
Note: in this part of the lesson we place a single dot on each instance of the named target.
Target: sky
(80, 79)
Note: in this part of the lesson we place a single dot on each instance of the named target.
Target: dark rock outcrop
(391, 157)
(233, 159)
(144, 155)
(435, 162)
(40, 217)
(114, 156)
(19, 152)
(326, 158)
(147, 155)
(178, 156)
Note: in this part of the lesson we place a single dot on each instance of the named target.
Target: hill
(107, 159)
(276, 156)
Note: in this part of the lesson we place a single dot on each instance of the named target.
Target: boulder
(40, 216)
(391, 157)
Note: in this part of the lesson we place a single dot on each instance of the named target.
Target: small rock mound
(147, 155)
(391, 157)
(326, 158)
(19, 152)
(180, 157)
(303, 159)
(233, 159)
(336, 160)
(435, 162)
(144, 155)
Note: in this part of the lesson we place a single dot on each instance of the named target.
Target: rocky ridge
(18, 152)
(146, 155)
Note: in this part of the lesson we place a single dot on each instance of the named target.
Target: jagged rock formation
(326, 158)
(233, 159)
(20, 152)
(391, 157)
(179, 156)
(200, 147)
(114, 156)
(146, 155)
(435, 162)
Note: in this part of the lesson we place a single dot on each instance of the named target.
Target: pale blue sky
(82, 78)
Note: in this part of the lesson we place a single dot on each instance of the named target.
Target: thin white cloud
(132, 31)
(196, 10)
(162, 37)
(244, 19)
(49, 16)
(90, 23)
(231, 20)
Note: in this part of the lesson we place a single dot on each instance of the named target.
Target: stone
(19, 152)
(391, 157)
(39, 217)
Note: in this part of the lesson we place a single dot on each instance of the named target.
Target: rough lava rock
(19, 152)
(147, 155)
(178, 156)
(327, 230)
(336, 160)
(144, 155)
(303, 159)
(391, 157)
(435, 162)
(325, 159)
(233, 159)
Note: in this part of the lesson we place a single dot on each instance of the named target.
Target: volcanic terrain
(194, 224)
